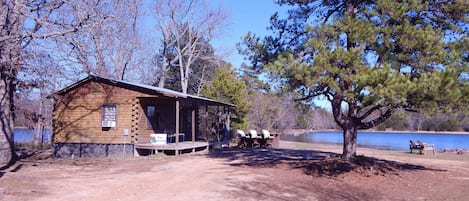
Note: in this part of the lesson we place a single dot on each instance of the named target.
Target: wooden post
(193, 125)
(206, 124)
(228, 120)
(197, 121)
(177, 127)
(218, 125)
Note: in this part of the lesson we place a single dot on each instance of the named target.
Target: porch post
(193, 125)
(228, 119)
(193, 128)
(218, 124)
(177, 127)
(206, 124)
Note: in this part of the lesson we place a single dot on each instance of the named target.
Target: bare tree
(271, 112)
(322, 119)
(107, 49)
(415, 121)
(184, 25)
(21, 23)
(201, 71)
(36, 81)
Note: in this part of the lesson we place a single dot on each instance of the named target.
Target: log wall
(78, 115)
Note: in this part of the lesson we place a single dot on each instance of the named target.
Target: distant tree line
(409, 121)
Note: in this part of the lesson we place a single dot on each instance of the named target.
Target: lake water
(388, 141)
(26, 135)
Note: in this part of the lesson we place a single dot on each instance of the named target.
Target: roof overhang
(141, 87)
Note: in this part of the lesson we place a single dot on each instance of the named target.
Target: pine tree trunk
(7, 148)
(350, 142)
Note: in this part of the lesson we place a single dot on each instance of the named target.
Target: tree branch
(337, 109)
(376, 121)
(330, 12)
(370, 111)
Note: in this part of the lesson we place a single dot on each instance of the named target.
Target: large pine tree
(370, 58)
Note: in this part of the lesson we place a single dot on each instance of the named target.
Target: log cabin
(101, 117)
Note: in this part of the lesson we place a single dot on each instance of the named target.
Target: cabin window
(109, 118)
(153, 117)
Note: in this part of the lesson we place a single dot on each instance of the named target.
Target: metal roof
(162, 91)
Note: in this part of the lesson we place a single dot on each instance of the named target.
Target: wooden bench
(425, 147)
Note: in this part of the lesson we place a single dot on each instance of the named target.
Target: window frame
(105, 117)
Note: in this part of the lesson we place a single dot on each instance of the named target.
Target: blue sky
(244, 16)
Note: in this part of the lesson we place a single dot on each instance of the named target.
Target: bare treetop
(184, 27)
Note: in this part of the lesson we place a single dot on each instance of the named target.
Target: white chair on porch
(253, 138)
(243, 142)
(265, 134)
(241, 133)
(253, 134)
(267, 138)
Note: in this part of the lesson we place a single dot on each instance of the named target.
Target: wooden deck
(176, 147)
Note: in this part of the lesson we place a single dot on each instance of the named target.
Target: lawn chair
(242, 139)
(413, 146)
(425, 147)
(266, 139)
(253, 138)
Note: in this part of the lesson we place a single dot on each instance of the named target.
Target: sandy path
(194, 177)
(188, 178)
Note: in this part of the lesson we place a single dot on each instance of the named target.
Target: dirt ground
(295, 171)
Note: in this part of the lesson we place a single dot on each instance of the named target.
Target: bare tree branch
(185, 25)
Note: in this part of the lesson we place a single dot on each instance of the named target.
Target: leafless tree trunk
(207, 71)
(164, 61)
(201, 81)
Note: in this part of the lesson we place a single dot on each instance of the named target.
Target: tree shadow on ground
(21, 155)
(25, 156)
(267, 190)
(313, 162)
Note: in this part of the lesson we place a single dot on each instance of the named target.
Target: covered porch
(180, 125)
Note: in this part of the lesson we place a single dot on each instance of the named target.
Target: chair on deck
(413, 146)
(266, 138)
(253, 138)
(425, 147)
(242, 139)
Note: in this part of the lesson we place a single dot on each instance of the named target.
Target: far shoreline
(305, 131)
(448, 154)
